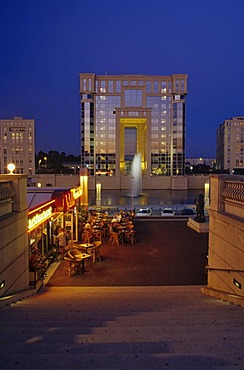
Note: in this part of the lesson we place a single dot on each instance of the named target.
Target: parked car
(167, 212)
(144, 212)
(187, 211)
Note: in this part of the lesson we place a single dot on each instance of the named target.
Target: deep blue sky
(45, 44)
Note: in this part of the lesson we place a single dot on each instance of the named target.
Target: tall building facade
(230, 145)
(124, 115)
(17, 145)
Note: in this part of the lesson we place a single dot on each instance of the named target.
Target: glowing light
(11, 168)
(38, 218)
(77, 192)
(2, 284)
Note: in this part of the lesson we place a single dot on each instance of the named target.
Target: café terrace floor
(166, 253)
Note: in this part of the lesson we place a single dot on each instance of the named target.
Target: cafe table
(122, 230)
(90, 248)
(76, 262)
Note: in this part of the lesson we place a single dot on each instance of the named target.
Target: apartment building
(17, 145)
(125, 115)
(230, 145)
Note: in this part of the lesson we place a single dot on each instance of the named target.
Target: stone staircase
(122, 328)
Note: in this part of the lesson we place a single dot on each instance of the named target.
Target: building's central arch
(133, 133)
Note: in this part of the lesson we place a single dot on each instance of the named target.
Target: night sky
(45, 44)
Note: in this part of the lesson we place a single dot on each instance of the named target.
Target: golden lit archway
(140, 124)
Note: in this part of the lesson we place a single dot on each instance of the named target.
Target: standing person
(62, 241)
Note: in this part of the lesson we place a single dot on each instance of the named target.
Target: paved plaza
(166, 252)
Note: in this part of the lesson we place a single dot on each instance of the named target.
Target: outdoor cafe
(97, 230)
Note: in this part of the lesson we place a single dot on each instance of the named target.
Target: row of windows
(18, 151)
(111, 86)
(17, 124)
(16, 136)
(234, 123)
(16, 161)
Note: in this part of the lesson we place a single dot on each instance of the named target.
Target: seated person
(88, 226)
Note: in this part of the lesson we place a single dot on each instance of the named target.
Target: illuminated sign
(39, 215)
(69, 200)
(77, 193)
(39, 218)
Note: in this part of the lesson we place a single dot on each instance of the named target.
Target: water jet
(136, 176)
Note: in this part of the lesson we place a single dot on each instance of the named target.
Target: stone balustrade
(6, 190)
(7, 194)
(226, 235)
(233, 191)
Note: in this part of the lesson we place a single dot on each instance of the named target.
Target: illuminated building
(17, 145)
(123, 115)
(230, 145)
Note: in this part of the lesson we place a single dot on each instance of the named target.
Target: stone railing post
(217, 184)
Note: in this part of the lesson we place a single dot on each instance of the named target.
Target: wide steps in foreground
(122, 328)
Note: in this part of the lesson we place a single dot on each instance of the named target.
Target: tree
(53, 162)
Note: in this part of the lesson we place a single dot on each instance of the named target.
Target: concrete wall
(226, 235)
(56, 180)
(124, 182)
(14, 262)
(197, 181)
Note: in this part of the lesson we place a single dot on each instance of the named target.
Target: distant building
(124, 115)
(17, 145)
(230, 145)
(74, 167)
(211, 162)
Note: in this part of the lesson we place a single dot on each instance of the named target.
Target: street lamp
(206, 198)
(45, 159)
(11, 168)
(98, 194)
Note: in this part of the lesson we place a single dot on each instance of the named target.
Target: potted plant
(37, 266)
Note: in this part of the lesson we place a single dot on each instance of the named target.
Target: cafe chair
(114, 238)
(97, 250)
(98, 246)
(74, 254)
(130, 227)
(74, 262)
(94, 251)
(104, 230)
(98, 236)
(130, 237)
(87, 236)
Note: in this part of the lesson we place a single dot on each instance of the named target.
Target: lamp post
(11, 168)
(45, 159)
(84, 186)
(98, 193)
(206, 188)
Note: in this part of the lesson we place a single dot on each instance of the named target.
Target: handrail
(222, 269)
(234, 191)
(6, 190)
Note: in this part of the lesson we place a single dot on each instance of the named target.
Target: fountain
(136, 176)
